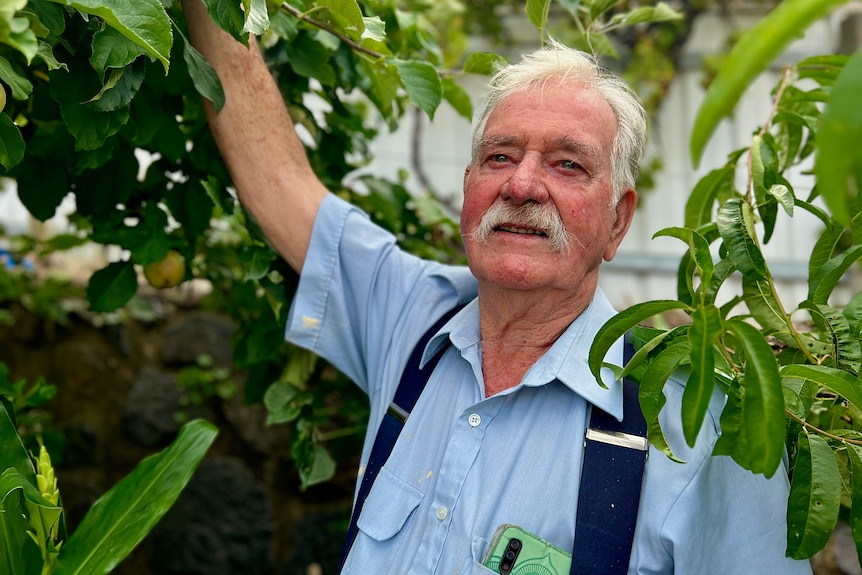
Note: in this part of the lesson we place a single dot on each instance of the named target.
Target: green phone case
(536, 556)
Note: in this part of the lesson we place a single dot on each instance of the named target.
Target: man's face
(546, 149)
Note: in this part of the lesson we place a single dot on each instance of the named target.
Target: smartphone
(515, 551)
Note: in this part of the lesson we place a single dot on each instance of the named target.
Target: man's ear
(624, 213)
(466, 175)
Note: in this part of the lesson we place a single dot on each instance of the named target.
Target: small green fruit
(166, 273)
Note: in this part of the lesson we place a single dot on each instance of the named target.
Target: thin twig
(323, 26)
(822, 432)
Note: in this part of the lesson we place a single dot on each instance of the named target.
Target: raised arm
(257, 139)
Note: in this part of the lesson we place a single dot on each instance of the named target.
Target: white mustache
(542, 218)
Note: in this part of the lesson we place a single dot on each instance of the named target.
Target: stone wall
(118, 401)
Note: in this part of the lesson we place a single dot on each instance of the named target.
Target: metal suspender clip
(618, 438)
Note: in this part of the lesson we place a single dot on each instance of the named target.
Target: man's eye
(570, 165)
(499, 158)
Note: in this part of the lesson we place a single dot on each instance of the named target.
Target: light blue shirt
(465, 464)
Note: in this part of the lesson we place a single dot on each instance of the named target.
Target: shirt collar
(565, 361)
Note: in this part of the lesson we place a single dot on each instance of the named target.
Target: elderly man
(497, 436)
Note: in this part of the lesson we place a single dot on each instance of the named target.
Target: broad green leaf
(13, 455)
(121, 518)
(738, 239)
(651, 395)
(839, 160)
(614, 328)
(537, 13)
(344, 16)
(319, 467)
(815, 497)
(147, 24)
(750, 56)
(484, 63)
(120, 89)
(422, 82)
(203, 75)
(705, 328)
(661, 12)
(854, 453)
(20, 86)
(599, 7)
(18, 553)
(17, 33)
(763, 400)
(310, 58)
(11, 142)
(284, 402)
(111, 49)
(256, 16)
(228, 15)
(375, 29)
(112, 287)
(837, 380)
(823, 280)
(458, 98)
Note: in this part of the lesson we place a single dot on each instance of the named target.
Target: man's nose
(526, 183)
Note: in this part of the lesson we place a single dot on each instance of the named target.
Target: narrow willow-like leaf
(698, 207)
(825, 246)
(784, 196)
(615, 327)
(698, 248)
(147, 24)
(835, 329)
(837, 380)
(823, 280)
(733, 440)
(738, 239)
(815, 497)
(720, 272)
(763, 306)
(661, 12)
(750, 56)
(705, 329)
(641, 353)
(763, 400)
(422, 82)
(650, 391)
(839, 160)
(121, 518)
(854, 453)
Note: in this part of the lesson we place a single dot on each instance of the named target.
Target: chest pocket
(389, 504)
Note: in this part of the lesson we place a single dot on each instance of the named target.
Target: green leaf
(319, 467)
(112, 287)
(458, 98)
(20, 86)
(838, 159)
(375, 29)
(310, 58)
(113, 50)
(203, 75)
(738, 238)
(705, 329)
(825, 246)
(763, 399)
(698, 207)
(256, 17)
(837, 380)
(343, 15)
(18, 553)
(284, 402)
(537, 12)
(815, 497)
(854, 453)
(651, 395)
(843, 341)
(614, 328)
(750, 56)
(422, 82)
(17, 33)
(146, 24)
(228, 15)
(661, 12)
(484, 63)
(121, 518)
(784, 196)
(698, 248)
(13, 455)
(11, 142)
(823, 280)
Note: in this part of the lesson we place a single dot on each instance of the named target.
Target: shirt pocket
(387, 507)
(474, 565)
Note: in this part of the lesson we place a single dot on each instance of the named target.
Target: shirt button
(442, 512)
(474, 420)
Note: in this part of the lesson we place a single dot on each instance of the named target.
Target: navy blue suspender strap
(410, 387)
(608, 500)
(615, 454)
